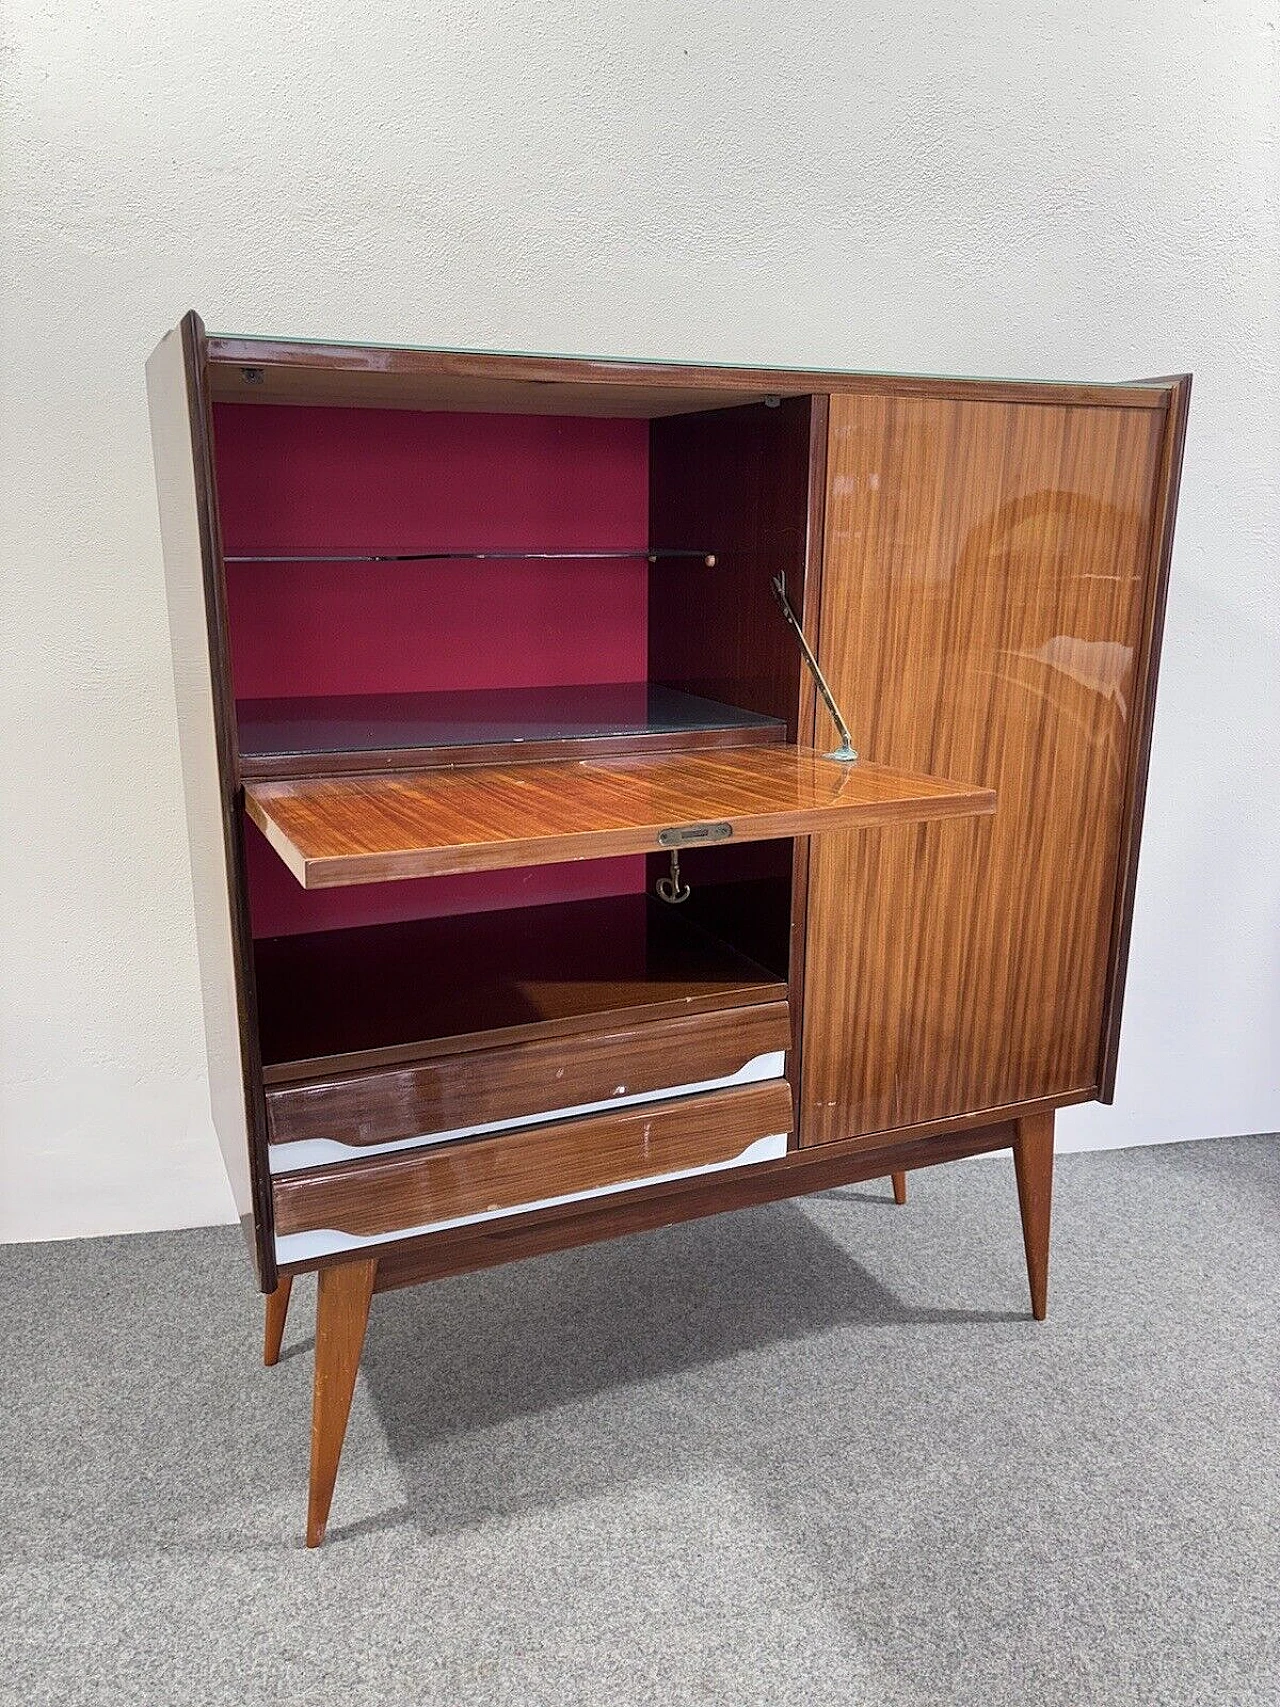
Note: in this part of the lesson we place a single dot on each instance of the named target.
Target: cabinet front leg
(343, 1293)
(1033, 1164)
(277, 1311)
(899, 1187)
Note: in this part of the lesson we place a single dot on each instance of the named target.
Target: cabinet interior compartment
(367, 996)
(408, 588)
(341, 664)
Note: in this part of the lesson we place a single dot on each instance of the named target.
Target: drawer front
(392, 1196)
(460, 1094)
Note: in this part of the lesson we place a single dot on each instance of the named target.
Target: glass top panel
(697, 363)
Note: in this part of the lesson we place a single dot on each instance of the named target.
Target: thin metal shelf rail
(655, 556)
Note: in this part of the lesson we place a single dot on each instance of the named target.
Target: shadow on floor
(474, 1380)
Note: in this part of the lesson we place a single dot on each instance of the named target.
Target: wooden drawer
(413, 1191)
(458, 1094)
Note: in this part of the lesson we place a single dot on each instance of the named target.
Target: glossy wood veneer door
(985, 590)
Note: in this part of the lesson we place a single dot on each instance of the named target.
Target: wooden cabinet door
(991, 599)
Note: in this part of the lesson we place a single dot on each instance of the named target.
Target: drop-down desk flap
(337, 830)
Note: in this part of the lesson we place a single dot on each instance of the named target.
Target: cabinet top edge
(228, 352)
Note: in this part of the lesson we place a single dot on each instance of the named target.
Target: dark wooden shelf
(318, 736)
(331, 831)
(339, 1001)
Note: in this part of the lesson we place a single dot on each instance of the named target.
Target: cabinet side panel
(1167, 480)
(189, 536)
(983, 617)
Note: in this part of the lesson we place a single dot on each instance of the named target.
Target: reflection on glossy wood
(413, 1188)
(488, 817)
(343, 1294)
(982, 611)
(521, 1080)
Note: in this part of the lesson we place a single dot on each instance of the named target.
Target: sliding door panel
(986, 615)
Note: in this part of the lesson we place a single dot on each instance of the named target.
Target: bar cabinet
(620, 792)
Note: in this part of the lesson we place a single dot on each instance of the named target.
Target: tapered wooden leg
(277, 1310)
(899, 1187)
(342, 1312)
(1033, 1163)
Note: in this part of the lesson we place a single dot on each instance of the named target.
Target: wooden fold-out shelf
(364, 829)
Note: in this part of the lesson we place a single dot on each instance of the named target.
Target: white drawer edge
(322, 1152)
(327, 1241)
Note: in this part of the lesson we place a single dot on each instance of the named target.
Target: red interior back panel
(294, 480)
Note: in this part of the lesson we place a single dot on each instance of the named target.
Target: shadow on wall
(1204, 984)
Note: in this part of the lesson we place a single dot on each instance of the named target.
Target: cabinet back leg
(1033, 1164)
(277, 1311)
(343, 1293)
(899, 1187)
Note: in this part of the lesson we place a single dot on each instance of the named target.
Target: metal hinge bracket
(845, 751)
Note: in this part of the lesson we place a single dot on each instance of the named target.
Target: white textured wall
(1062, 191)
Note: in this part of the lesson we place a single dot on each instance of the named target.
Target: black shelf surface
(394, 729)
(342, 1000)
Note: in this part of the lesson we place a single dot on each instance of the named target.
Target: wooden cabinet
(536, 900)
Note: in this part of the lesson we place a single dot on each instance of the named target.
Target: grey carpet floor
(812, 1453)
